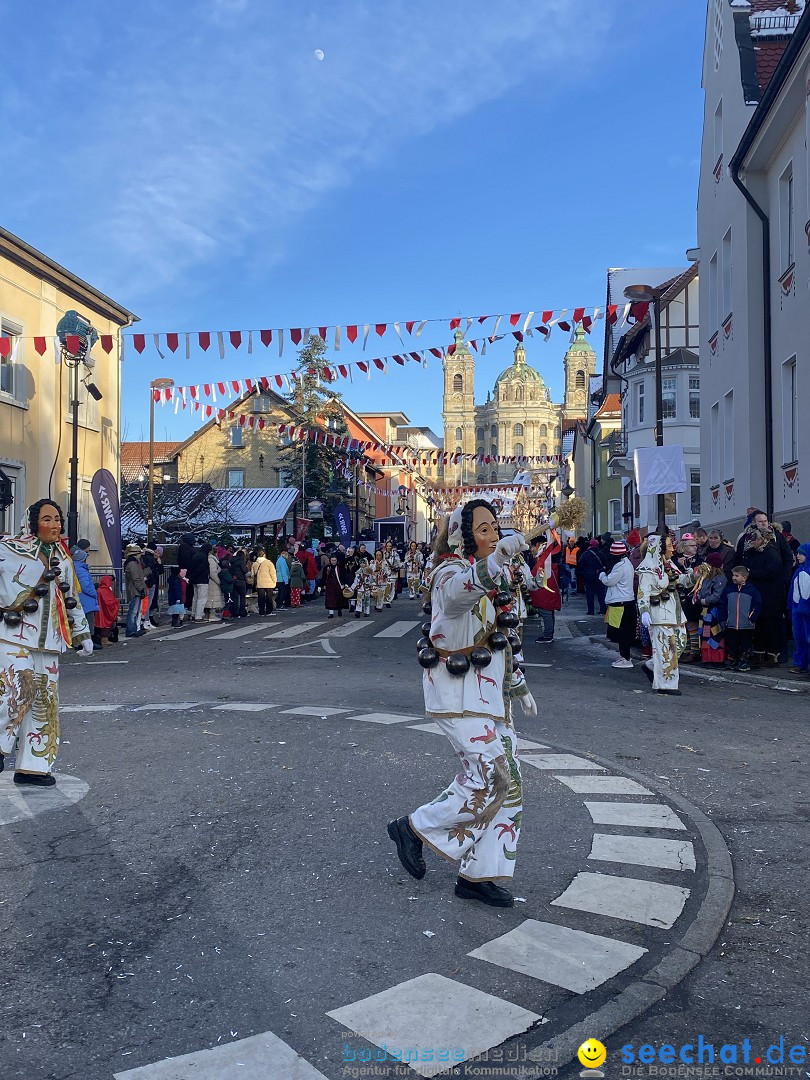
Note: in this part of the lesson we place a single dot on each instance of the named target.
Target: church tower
(580, 365)
(459, 411)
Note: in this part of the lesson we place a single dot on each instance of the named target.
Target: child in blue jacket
(799, 608)
(739, 608)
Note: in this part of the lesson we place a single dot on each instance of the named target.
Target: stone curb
(654, 985)
(765, 682)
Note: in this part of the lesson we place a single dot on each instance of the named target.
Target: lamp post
(155, 384)
(648, 294)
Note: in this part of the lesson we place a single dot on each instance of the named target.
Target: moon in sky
(319, 54)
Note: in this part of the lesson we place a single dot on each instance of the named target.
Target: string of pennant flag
(400, 454)
(332, 372)
(518, 323)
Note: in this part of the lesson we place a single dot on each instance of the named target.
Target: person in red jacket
(546, 597)
(107, 614)
(307, 560)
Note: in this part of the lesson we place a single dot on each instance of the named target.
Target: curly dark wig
(33, 514)
(441, 547)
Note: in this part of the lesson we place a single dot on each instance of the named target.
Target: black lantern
(497, 641)
(501, 599)
(71, 602)
(423, 643)
(428, 658)
(13, 618)
(30, 606)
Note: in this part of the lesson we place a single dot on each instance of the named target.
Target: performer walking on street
(413, 569)
(41, 618)
(469, 685)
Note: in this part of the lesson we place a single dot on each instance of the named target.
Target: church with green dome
(518, 418)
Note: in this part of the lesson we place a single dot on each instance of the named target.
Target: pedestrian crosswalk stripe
(346, 629)
(641, 815)
(243, 631)
(314, 710)
(559, 955)
(169, 706)
(630, 899)
(384, 718)
(87, 708)
(603, 785)
(293, 631)
(22, 803)
(643, 851)
(397, 629)
(260, 1057)
(182, 634)
(244, 706)
(406, 1017)
(560, 761)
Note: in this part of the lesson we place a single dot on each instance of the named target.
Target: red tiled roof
(767, 55)
(612, 405)
(137, 453)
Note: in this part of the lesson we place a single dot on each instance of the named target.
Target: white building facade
(634, 362)
(755, 263)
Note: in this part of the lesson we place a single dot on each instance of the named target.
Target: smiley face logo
(592, 1054)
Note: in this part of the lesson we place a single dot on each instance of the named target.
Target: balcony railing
(617, 444)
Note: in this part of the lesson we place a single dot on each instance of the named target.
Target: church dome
(519, 370)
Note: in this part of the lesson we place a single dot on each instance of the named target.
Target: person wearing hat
(87, 596)
(710, 586)
(591, 564)
(470, 689)
(40, 617)
(136, 589)
(621, 602)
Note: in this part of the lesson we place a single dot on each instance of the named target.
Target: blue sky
(197, 162)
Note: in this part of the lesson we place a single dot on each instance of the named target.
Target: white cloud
(204, 130)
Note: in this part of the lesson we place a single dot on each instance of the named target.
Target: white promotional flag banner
(660, 470)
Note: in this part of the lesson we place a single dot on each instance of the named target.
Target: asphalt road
(226, 873)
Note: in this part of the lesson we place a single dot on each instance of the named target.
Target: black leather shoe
(669, 693)
(485, 891)
(409, 847)
(37, 779)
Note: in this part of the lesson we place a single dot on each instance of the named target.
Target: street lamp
(648, 294)
(77, 336)
(155, 384)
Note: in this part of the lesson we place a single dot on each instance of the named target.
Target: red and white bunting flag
(579, 314)
(209, 410)
(204, 338)
(172, 342)
(107, 343)
(155, 393)
(71, 343)
(296, 335)
(221, 344)
(279, 380)
(236, 385)
(249, 385)
(40, 344)
(207, 389)
(235, 337)
(381, 327)
(194, 391)
(514, 319)
(454, 323)
(266, 337)
(410, 325)
(242, 420)
(322, 332)
(351, 333)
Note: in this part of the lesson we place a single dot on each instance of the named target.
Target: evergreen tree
(317, 408)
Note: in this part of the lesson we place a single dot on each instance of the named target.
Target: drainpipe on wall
(734, 170)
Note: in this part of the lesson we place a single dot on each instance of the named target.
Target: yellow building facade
(35, 389)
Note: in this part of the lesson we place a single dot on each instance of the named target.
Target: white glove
(646, 619)
(507, 547)
(603, 578)
(87, 648)
(529, 705)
